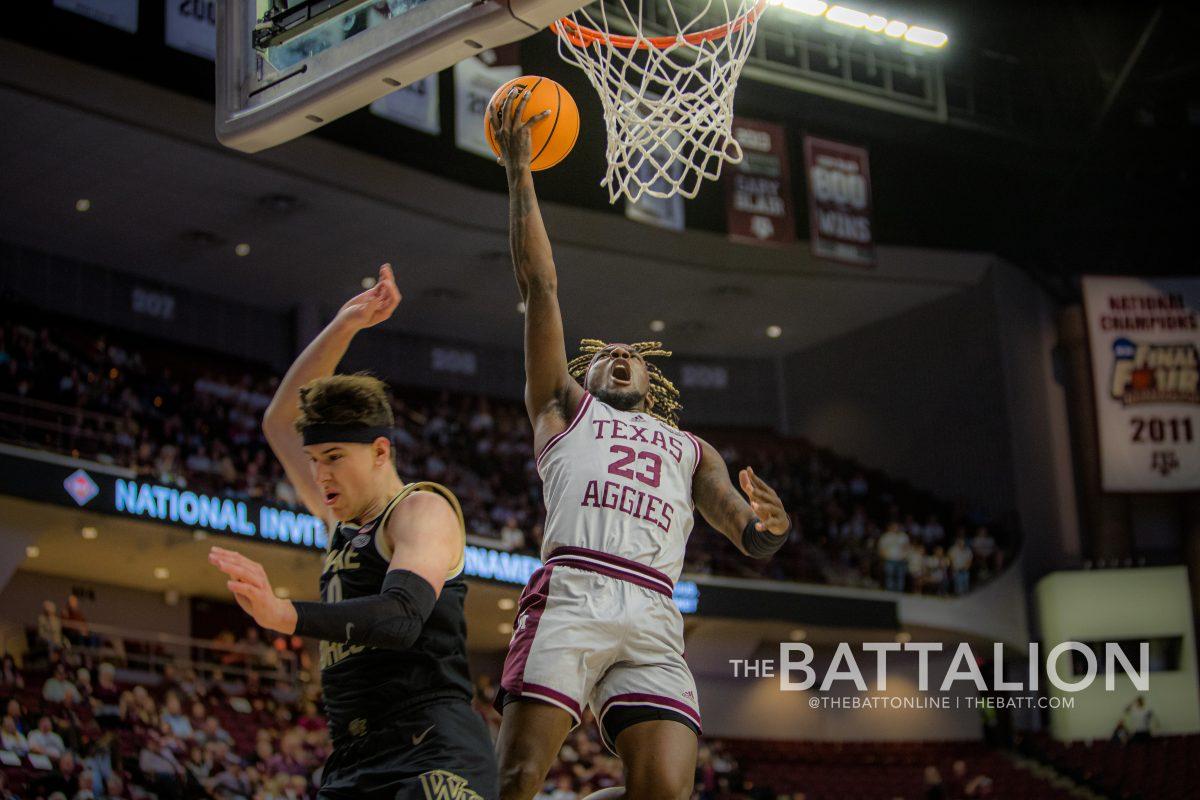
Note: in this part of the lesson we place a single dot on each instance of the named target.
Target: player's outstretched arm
(548, 386)
(319, 360)
(426, 541)
(756, 523)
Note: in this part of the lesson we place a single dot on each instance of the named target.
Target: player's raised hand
(375, 304)
(766, 504)
(512, 134)
(252, 589)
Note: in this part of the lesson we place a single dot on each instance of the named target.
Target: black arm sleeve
(761, 544)
(391, 620)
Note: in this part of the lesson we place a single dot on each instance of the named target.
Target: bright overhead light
(242, 249)
(814, 8)
(33, 551)
(657, 325)
(199, 535)
(930, 38)
(876, 23)
(83, 204)
(88, 532)
(505, 628)
(506, 603)
(903, 637)
(368, 282)
(162, 573)
(283, 592)
(847, 16)
(798, 634)
(774, 331)
(895, 28)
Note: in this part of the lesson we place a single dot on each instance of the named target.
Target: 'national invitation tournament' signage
(1144, 336)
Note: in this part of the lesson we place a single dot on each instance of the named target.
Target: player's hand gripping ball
(538, 108)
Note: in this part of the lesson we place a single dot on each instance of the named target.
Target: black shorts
(441, 751)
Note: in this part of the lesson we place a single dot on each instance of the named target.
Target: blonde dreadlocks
(665, 396)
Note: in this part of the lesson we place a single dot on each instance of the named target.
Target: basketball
(554, 136)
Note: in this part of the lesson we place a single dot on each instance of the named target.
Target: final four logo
(1155, 373)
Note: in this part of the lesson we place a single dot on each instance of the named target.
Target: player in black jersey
(393, 636)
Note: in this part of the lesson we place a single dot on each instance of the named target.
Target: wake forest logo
(1155, 373)
(440, 784)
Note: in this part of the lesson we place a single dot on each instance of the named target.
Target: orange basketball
(554, 136)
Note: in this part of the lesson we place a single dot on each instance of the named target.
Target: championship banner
(475, 81)
(758, 191)
(839, 201)
(415, 105)
(191, 26)
(661, 212)
(121, 14)
(1144, 335)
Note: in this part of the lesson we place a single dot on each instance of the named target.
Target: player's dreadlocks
(666, 404)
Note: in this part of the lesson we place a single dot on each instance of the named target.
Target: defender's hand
(766, 504)
(252, 589)
(512, 135)
(374, 305)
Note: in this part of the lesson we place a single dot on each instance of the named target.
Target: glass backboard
(286, 67)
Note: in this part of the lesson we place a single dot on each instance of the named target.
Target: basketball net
(668, 99)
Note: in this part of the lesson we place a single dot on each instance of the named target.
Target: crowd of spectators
(194, 422)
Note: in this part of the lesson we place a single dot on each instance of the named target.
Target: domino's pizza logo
(81, 487)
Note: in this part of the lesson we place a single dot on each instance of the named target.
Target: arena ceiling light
(862, 20)
(89, 532)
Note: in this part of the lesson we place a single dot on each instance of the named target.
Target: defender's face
(618, 376)
(345, 473)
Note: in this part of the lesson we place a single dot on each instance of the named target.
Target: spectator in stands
(161, 771)
(511, 537)
(961, 557)
(10, 675)
(934, 788)
(1137, 721)
(50, 634)
(17, 712)
(106, 698)
(114, 788)
(45, 740)
(916, 568)
(11, 738)
(936, 567)
(59, 689)
(984, 548)
(893, 549)
(75, 627)
(174, 718)
(933, 534)
(213, 732)
(5, 794)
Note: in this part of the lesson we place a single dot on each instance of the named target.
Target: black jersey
(364, 687)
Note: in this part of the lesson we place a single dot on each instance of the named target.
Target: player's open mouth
(331, 498)
(621, 373)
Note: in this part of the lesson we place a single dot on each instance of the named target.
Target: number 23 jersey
(620, 482)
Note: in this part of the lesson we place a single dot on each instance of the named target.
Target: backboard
(286, 67)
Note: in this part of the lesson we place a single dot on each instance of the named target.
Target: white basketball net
(668, 99)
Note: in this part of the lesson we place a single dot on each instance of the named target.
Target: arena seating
(192, 418)
(1161, 768)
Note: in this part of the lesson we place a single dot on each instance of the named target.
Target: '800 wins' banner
(1145, 343)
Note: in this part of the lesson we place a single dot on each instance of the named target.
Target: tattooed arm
(551, 395)
(722, 507)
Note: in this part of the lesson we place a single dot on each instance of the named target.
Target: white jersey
(620, 482)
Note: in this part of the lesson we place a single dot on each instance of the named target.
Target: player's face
(345, 474)
(618, 376)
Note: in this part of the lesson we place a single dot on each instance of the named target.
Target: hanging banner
(1144, 335)
(661, 212)
(414, 106)
(121, 14)
(758, 191)
(475, 81)
(192, 26)
(839, 201)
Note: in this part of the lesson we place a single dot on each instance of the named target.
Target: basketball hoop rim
(583, 36)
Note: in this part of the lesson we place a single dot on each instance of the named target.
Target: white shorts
(596, 629)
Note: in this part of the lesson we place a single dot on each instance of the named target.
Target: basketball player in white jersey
(597, 625)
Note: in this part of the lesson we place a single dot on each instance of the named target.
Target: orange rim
(583, 36)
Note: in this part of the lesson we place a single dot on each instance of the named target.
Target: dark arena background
(948, 306)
